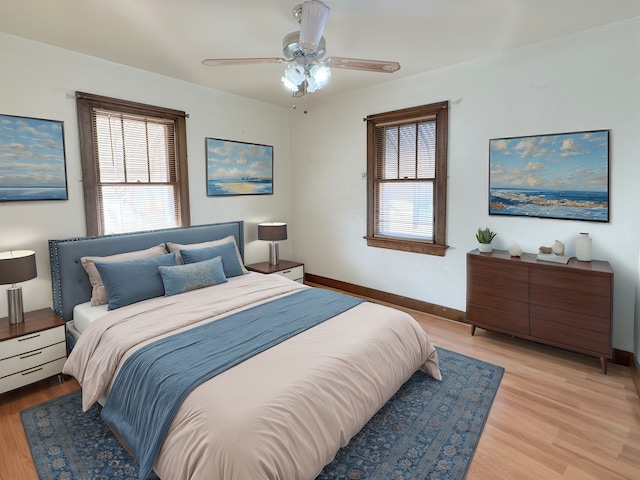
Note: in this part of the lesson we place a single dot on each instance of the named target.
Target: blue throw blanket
(153, 382)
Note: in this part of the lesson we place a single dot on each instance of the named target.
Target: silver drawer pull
(286, 271)
(31, 355)
(22, 339)
(32, 371)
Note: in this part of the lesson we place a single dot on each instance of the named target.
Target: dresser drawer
(498, 287)
(31, 375)
(496, 302)
(596, 342)
(496, 319)
(497, 270)
(571, 301)
(31, 342)
(295, 273)
(572, 319)
(565, 279)
(27, 360)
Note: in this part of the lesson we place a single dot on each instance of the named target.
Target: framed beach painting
(32, 159)
(238, 168)
(562, 175)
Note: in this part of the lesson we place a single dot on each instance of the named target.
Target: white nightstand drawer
(32, 375)
(295, 273)
(27, 360)
(31, 342)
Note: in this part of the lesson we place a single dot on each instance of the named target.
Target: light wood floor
(556, 416)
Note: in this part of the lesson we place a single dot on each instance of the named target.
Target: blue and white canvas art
(236, 168)
(564, 176)
(32, 159)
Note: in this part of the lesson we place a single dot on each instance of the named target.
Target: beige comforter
(282, 414)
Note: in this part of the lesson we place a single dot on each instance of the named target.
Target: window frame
(86, 103)
(440, 113)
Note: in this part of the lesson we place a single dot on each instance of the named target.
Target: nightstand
(32, 350)
(286, 268)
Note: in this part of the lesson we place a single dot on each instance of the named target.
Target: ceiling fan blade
(312, 22)
(216, 62)
(361, 64)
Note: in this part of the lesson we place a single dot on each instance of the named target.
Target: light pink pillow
(176, 247)
(98, 293)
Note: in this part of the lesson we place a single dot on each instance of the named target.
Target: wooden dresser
(567, 306)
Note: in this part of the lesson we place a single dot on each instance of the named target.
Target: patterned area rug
(428, 430)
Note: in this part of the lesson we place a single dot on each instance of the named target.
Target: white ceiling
(172, 37)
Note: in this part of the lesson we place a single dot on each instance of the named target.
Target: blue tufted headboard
(70, 281)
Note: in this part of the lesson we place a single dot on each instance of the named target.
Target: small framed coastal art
(238, 168)
(560, 175)
(32, 159)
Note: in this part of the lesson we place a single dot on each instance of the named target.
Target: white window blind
(137, 172)
(405, 175)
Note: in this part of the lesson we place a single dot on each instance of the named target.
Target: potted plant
(485, 237)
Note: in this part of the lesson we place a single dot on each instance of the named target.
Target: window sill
(407, 246)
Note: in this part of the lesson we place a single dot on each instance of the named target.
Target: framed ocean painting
(561, 175)
(238, 168)
(32, 159)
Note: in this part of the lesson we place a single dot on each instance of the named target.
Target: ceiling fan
(307, 70)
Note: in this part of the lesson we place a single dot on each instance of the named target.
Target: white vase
(485, 247)
(583, 247)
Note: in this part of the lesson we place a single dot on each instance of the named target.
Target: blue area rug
(428, 430)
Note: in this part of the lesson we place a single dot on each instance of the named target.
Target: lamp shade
(272, 231)
(17, 266)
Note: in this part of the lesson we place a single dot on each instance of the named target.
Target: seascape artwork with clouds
(32, 159)
(237, 168)
(564, 176)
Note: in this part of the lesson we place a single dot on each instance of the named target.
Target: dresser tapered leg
(603, 364)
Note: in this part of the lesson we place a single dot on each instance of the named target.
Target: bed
(279, 411)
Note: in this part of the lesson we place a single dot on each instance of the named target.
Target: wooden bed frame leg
(473, 330)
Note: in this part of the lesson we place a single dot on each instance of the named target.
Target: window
(134, 165)
(407, 179)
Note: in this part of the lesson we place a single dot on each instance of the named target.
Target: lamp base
(274, 254)
(14, 305)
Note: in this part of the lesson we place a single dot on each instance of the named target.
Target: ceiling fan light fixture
(298, 77)
(294, 76)
(307, 70)
(289, 85)
(318, 77)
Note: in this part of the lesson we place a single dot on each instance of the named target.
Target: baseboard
(406, 302)
(636, 376)
(620, 357)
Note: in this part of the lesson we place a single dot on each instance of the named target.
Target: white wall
(586, 81)
(39, 81)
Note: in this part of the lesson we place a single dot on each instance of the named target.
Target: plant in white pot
(485, 237)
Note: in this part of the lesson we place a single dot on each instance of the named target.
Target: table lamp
(273, 232)
(16, 266)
